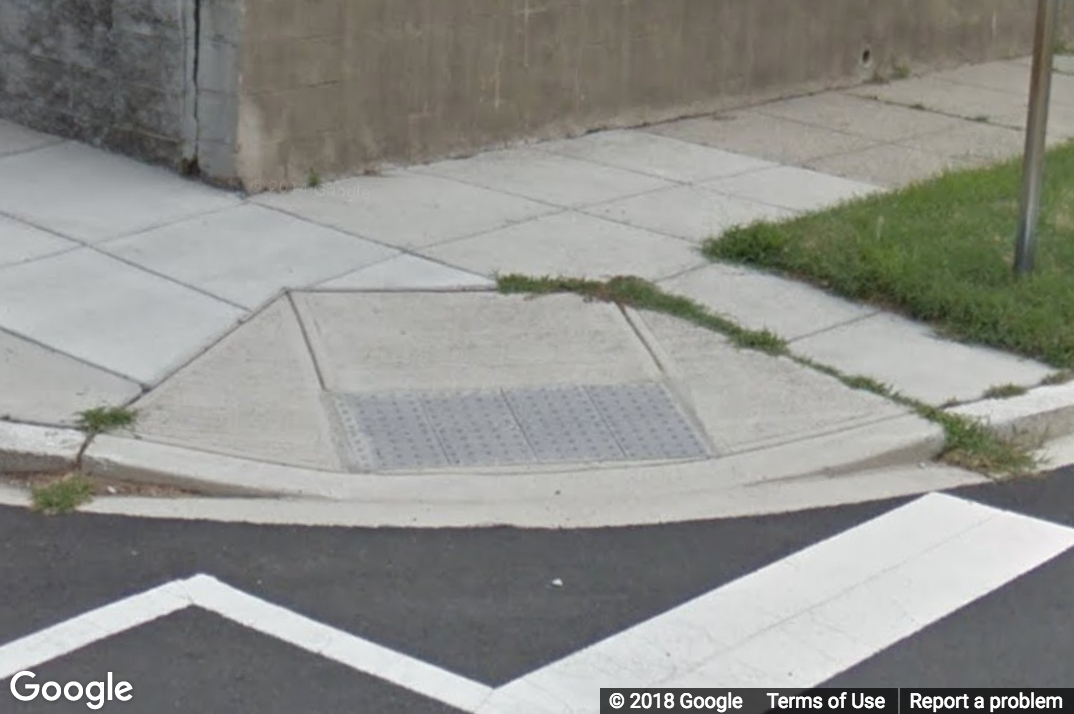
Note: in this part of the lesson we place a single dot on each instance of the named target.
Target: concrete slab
(761, 301)
(756, 134)
(907, 356)
(1060, 123)
(748, 400)
(406, 209)
(91, 195)
(690, 212)
(960, 100)
(655, 155)
(392, 341)
(1011, 78)
(541, 176)
(247, 254)
(1063, 64)
(43, 386)
(571, 244)
(15, 139)
(410, 272)
(109, 313)
(793, 188)
(892, 165)
(858, 115)
(24, 242)
(972, 140)
(254, 394)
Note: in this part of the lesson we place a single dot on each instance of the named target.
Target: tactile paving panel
(561, 424)
(477, 428)
(389, 432)
(646, 421)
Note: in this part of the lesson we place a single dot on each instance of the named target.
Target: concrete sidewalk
(345, 342)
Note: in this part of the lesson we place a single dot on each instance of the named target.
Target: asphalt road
(490, 605)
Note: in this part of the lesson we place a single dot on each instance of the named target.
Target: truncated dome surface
(543, 425)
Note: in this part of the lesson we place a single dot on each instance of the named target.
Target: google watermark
(95, 694)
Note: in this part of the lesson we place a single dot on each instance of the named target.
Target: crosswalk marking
(210, 594)
(811, 615)
(87, 628)
(793, 624)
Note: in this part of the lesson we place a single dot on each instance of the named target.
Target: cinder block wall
(263, 91)
(109, 72)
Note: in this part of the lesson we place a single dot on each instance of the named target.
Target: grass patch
(968, 443)
(941, 252)
(628, 291)
(62, 496)
(313, 180)
(1004, 391)
(103, 419)
(973, 446)
(1061, 377)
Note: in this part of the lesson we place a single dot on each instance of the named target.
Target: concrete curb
(1044, 413)
(732, 502)
(26, 448)
(608, 496)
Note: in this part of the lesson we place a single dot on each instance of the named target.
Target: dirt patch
(101, 486)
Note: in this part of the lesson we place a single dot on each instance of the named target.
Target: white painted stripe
(811, 615)
(56, 641)
(337, 645)
(792, 624)
(210, 594)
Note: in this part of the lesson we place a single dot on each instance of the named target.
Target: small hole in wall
(866, 56)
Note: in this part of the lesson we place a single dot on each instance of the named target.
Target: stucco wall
(335, 85)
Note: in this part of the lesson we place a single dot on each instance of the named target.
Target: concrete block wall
(114, 73)
(264, 92)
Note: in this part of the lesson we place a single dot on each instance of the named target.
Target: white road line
(793, 624)
(210, 594)
(87, 628)
(811, 615)
(343, 647)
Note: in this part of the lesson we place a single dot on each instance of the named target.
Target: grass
(968, 442)
(941, 252)
(1056, 378)
(637, 293)
(314, 179)
(62, 496)
(102, 419)
(1004, 391)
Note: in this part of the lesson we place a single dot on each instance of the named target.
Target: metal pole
(1036, 130)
